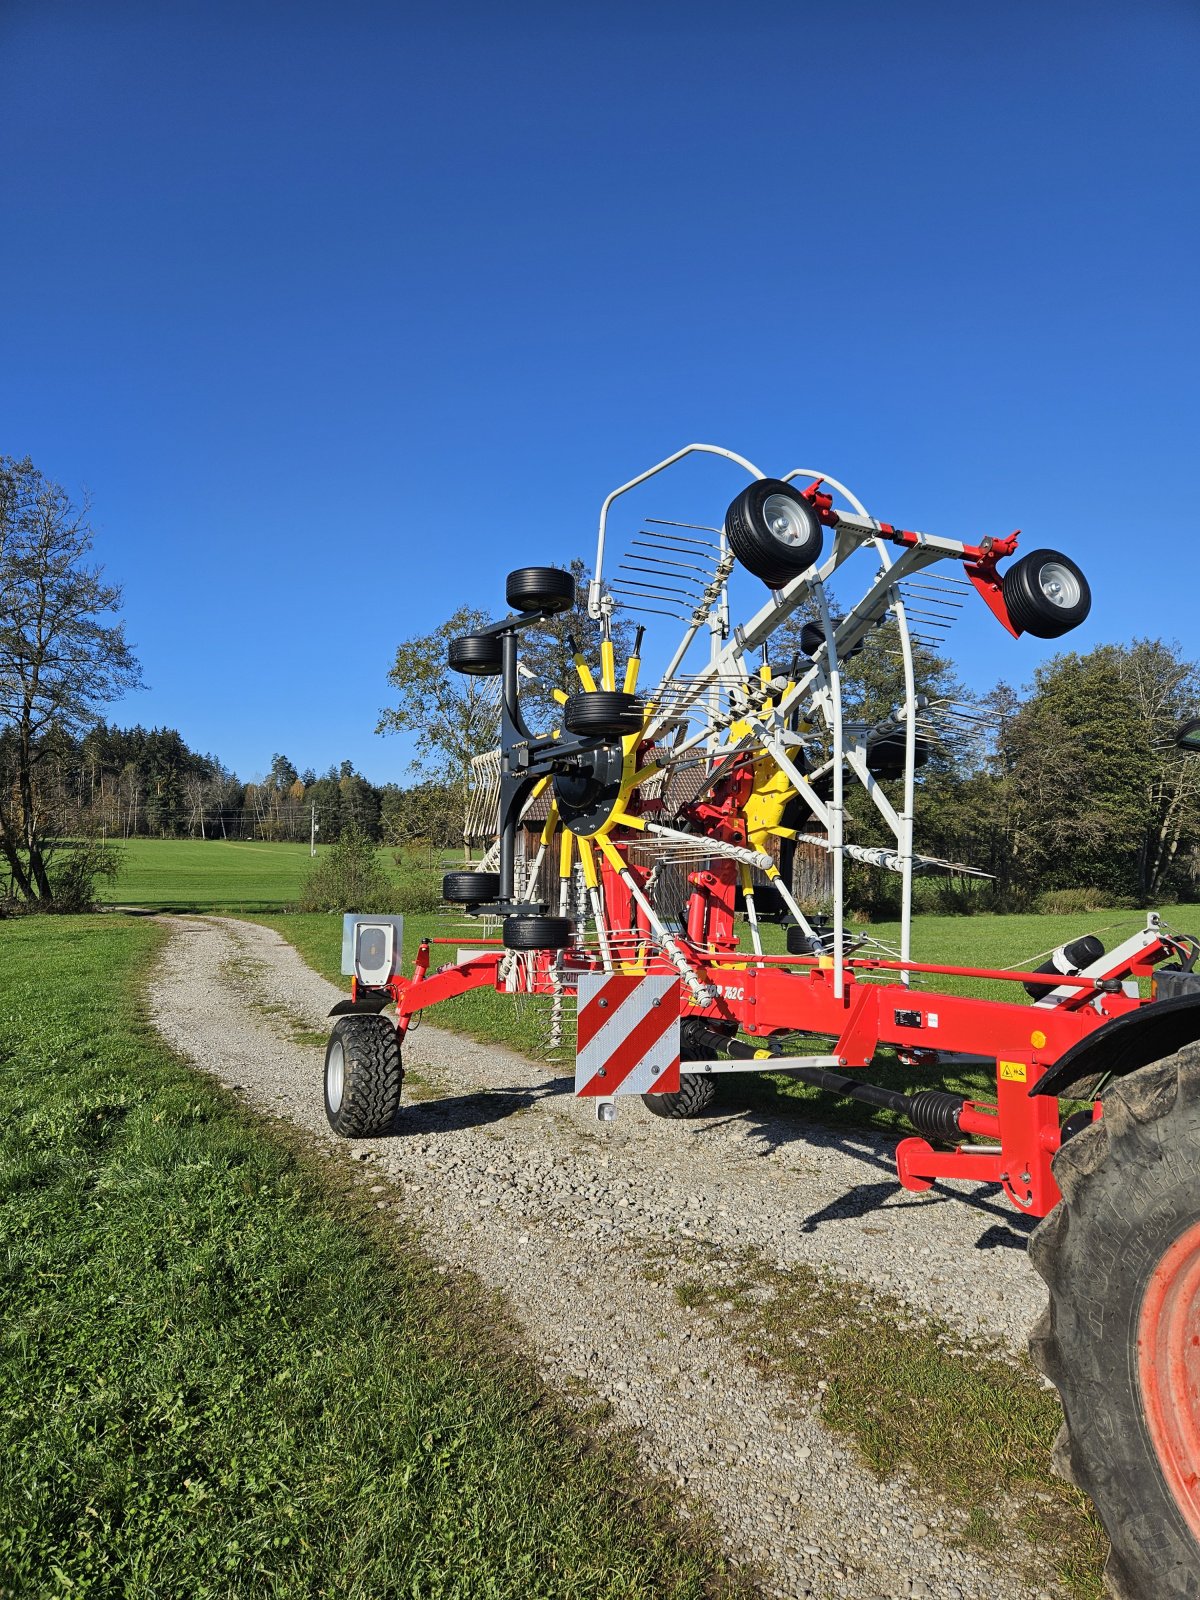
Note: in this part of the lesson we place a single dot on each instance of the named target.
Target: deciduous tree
(63, 655)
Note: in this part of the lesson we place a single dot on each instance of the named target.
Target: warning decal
(628, 1035)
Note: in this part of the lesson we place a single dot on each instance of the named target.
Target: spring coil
(935, 1113)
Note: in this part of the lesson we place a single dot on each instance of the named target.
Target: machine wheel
(812, 637)
(478, 654)
(769, 904)
(538, 933)
(540, 589)
(603, 714)
(363, 1075)
(470, 888)
(695, 1095)
(1046, 594)
(885, 754)
(773, 531)
(1121, 1257)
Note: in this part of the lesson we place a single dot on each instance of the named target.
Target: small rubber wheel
(540, 589)
(800, 944)
(363, 1074)
(470, 888)
(1068, 958)
(538, 933)
(1046, 594)
(1121, 1258)
(773, 531)
(603, 714)
(885, 755)
(769, 904)
(478, 654)
(696, 1092)
(812, 637)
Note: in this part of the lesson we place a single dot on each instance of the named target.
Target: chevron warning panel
(628, 1035)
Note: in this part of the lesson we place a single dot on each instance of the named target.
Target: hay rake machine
(672, 810)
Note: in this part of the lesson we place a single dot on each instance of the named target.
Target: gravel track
(506, 1174)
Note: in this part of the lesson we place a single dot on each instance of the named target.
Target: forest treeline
(122, 783)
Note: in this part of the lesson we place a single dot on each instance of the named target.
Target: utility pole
(313, 832)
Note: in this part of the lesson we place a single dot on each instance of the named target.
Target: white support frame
(819, 690)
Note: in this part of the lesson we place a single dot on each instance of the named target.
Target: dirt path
(508, 1175)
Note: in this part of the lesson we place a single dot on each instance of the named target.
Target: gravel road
(508, 1175)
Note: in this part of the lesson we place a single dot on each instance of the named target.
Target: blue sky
(341, 311)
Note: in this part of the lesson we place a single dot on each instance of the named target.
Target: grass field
(224, 1375)
(211, 874)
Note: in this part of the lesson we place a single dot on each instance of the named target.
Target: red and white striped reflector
(628, 1035)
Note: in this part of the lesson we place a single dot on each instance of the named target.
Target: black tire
(812, 637)
(540, 589)
(478, 654)
(1130, 1204)
(775, 548)
(1046, 594)
(799, 943)
(1068, 958)
(363, 1075)
(470, 888)
(696, 1093)
(885, 755)
(538, 933)
(769, 905)
(603, 714)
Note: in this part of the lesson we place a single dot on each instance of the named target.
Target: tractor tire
(1046, 594)
(603, 714)
(538, 933)
(773, 531)
(694, 1097)
(363, 1074)
(540, 589)
(470, 888)
(479, 655)
(1121, 1258)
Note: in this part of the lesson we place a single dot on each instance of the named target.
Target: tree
(454, 717)
(62, 656)
(1095, 791)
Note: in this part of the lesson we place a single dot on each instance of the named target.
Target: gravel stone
(559, 1211)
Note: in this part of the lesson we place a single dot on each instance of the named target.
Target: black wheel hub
(587, 798)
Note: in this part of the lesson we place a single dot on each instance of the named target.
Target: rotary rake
(672, 805)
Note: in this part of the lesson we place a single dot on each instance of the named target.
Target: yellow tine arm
(611, 854)
(628, 820)
(564, 853)
(585, 673)
(633, 665)
(551, 827)
(588, 856)
(608, 664)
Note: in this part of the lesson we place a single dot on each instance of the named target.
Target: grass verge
(224, 1375)
(972, 1427)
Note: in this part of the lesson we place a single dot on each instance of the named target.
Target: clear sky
(339, 311)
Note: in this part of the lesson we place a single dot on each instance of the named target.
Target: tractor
(671, 814)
